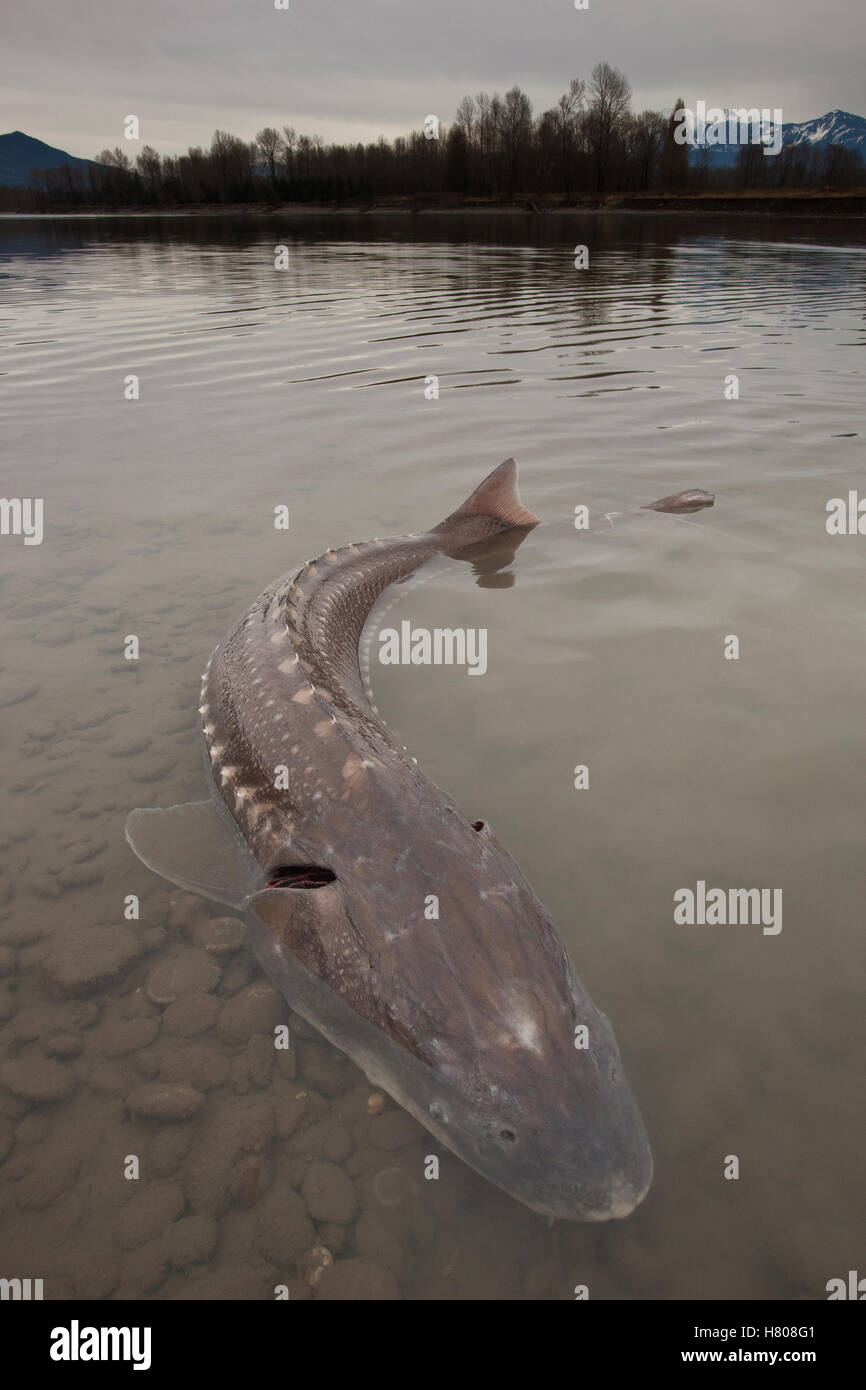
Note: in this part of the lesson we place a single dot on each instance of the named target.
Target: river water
(684, 355)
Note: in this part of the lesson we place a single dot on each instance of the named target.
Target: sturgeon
(326, 835)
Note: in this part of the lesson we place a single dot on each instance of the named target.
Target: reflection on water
(369, 387)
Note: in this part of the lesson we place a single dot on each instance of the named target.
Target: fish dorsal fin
(195, 847)
(498, 496)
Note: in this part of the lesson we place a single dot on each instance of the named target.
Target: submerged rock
(165, 1101)
(329, 1194)
(86, 959)
(324, 1068)
(221, 936)
(124, 1035)
(393, 1130)
(148, 1214)
(37, 1079)
(283, 1228)
(192, 1240)
(190, 1016)
(107, 1079)
(376, 1241)
(168, 1149)
(64, 1045)
(256, 1009)
(193, 1064)
(186, 972)
(232, 1136)
(79, 875)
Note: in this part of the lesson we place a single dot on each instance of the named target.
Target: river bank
(792, 204)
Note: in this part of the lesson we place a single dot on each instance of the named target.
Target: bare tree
(645, 139)
(565, 115)
(290, 144)
(457, 159)
(610, 95)
(675, 155)
(148, 163)
(269, 145)
(115, 159)
(516, 132)
(466, 119)
(232, 161)
(112, 179)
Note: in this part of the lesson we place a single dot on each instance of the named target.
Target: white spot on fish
(526, 1030)
(304, 697)
(289, 664)
(352, 767)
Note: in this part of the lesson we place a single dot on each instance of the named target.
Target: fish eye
(508, 1135)
(300, 876)
(478, 824)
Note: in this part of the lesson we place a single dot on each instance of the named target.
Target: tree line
(589, 143)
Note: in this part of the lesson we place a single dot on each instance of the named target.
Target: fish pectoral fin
(196, 847)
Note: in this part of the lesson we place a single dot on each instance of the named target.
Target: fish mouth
(622, 1198)
(573, 1201)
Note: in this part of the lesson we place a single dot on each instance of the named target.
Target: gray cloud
(354, 69)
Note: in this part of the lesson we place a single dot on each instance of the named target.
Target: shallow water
(305, 387)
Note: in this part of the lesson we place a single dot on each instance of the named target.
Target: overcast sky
(355, 69)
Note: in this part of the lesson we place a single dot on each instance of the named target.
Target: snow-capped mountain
(836, 128)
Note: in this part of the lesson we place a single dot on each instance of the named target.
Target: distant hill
(836, 128)
(20, 153)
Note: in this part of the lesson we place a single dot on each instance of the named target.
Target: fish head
(549, 1114)
(475, 1019)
